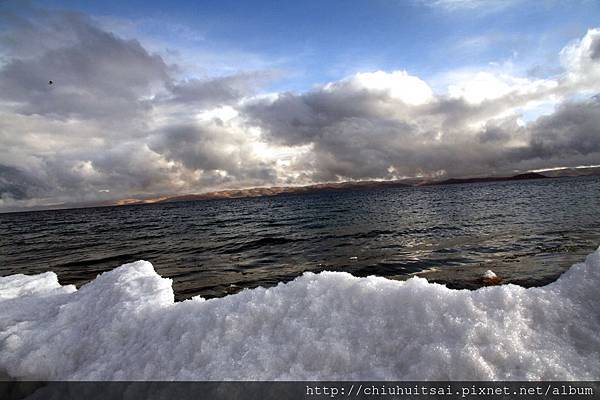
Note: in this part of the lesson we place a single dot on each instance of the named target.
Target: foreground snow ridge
(125, 325)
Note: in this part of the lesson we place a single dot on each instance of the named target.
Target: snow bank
(125, 326)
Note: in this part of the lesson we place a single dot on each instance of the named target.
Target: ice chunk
(125, 325)
(489, 274)
(490, 278)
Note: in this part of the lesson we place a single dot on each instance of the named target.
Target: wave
(257, 244)
(125, 325)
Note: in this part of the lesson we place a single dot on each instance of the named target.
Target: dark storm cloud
(217, 91)
(88, 135)
(94, 73)
(595, 48)
(493, 134)
(196, 147)
(300, 119)
(357, 134)
(297, 119)
(211, 147)
(574, 129)
(16, 184)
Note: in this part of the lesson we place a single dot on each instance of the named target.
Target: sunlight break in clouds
(398, 84)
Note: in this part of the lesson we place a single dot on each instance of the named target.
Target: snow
(125, 325)
(489, 274)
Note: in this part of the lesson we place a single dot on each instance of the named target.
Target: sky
(161, 98)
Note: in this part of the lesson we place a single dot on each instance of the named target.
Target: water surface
(528, 232)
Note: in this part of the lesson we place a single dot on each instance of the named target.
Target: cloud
(217, 91)
(116, 121)
(483, 85)
(121, 121)
(217, 148)
(581, 61)
(397, 85)
(94, 73)
(481, 6)
(16, 184)
(574, 129)
(595, 48)
(377, 130)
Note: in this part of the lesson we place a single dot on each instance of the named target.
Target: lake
(527, 232)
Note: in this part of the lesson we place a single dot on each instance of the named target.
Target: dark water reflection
(528, 232)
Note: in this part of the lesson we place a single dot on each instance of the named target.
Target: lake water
(528, 232)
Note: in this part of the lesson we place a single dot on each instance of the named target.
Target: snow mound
(125, 325)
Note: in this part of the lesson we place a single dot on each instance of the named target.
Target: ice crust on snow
(125, 325)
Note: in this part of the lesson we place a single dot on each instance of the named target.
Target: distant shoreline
(315, 188)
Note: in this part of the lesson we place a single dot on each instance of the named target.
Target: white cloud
(485, 6)
(581, 59)
(480, 86)
(398, 84)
